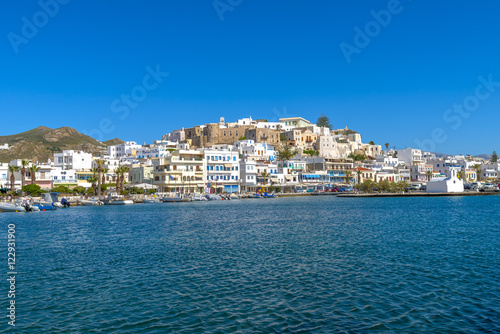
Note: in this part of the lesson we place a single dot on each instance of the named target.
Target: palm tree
(477, 167)
(104, 172)
(125, 170)
(429, 175)
(24, 163)
(99, 163)
(264, 175)
(460, 175)
(386, 146)
(118, 172)
(33, 170)
(12, 170)
(359, 175)
(348, 174)
(93, 179)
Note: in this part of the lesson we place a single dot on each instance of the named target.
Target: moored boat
(12, 207)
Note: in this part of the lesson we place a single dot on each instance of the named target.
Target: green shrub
(33, 190)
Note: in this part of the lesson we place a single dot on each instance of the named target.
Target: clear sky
(390, 71)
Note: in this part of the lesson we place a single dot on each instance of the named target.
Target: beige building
(183, 171)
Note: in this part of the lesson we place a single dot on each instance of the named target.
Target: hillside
(41, 143)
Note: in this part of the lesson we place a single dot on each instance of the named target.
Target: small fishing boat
(115, 199)
(213, 197)
(266, 195)
(151, 200)
(198, 198)
(12, 207)
(50, 199)
(176, 198)
(45, 207)
(92, 202)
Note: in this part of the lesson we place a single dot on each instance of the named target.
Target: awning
(288, 177)
(228, 165)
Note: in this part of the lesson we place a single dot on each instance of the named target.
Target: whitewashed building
(449, 184)
(223, 170)
(70, 159)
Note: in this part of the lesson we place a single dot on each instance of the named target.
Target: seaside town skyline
(289, 155)
(365, 65)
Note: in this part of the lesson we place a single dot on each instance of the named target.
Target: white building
(223, 170)
(70, 159)
(126, 149)
(259, 151)
(4, 174)
(450, 184)
(410, 156)
(248, 174)
(64, 176)
(4, 147)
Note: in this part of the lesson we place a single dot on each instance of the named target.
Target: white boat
(12, 207)
(198, 198)
(151, 200)
(213, 197)
(50, 199)
(175, 198)
(115, 199)
(91, 202)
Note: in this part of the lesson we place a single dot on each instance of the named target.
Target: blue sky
(265, 59)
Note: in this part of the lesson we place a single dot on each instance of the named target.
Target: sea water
(288, 265)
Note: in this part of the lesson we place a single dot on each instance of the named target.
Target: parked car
(489, 186)
(414, 187)
(476, 185)
(467, 185)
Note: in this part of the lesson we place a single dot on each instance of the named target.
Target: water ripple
(295, 265)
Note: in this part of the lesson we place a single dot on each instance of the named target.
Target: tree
(371, 142)
(242, 138)
(285, 153)
(12, 170)
(348, 174)
(324, 121)
(460, 175)
(33, 170)
(79, 190)
(429, 175)
(265, 175)
(118, 173)
(90, 191)
(104, 172)
(33, 190)
(24, 163)
(61, 189)
(477, 168)
(359, 172)
(99, 163)
(311, 153)
(494, 157)
(93, 180)
(386, 146)
(357, 157)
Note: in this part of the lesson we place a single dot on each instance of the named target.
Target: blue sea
(286, 265)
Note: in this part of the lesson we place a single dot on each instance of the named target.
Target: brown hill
(41, 143)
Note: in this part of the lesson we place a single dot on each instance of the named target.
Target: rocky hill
(41, 143)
